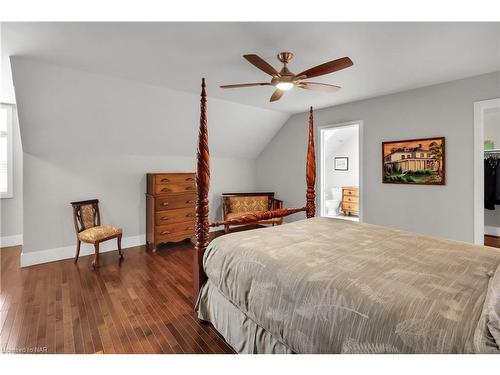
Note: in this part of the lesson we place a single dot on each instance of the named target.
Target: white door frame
(359, 124)
(479, 108)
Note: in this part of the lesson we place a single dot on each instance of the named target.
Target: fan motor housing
(285, 57)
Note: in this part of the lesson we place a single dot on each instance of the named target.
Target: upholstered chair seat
(99, 233)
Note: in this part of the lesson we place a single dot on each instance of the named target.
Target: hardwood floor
(492, 241)
(140, 305)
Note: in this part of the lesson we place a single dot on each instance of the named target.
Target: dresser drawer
(174, 237)
(179, 187)
(350, 207)
(170, 229)
(175, 178)
(350, 199)
(175, 201)
(350, 192)
(175, 216)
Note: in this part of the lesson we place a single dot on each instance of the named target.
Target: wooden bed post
(311, 170)
(203, 185)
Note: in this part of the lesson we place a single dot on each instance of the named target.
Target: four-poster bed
(203, 184)
(325, 285)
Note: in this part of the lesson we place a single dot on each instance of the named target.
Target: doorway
(340, 171)
(486, 148)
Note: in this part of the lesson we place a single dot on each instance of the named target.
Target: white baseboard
(51, 255)
(492, 231)
(7, 241)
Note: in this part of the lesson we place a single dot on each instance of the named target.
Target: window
(6, 151)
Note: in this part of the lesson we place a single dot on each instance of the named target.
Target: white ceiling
(340, 136)
(388, 57)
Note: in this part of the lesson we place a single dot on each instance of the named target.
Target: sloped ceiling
(69, 112)
(388, 57)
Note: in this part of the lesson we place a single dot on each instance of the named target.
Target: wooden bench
(238, 204)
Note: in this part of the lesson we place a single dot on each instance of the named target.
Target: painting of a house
(416, 161)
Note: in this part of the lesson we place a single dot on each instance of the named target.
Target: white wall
(492, 132)
(439, 110)
(119, 182)
(92, 136)
(344, 142)
(492, 126)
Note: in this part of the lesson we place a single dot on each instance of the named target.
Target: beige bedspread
(333, 286)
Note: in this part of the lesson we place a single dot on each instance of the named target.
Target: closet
(492, 179)
(492, 174)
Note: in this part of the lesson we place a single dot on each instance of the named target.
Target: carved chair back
(86, 214)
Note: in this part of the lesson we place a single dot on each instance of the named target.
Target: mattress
(333, 286)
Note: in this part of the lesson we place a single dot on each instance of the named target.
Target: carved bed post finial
(203, 185)
(311, 170)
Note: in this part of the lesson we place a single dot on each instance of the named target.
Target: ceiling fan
(285, 80)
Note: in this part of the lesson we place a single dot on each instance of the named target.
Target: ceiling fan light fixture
(284, 86)
(285, 80)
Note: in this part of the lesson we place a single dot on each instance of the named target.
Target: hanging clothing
(491, 182)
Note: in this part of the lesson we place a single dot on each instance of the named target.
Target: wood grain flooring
(140, 305)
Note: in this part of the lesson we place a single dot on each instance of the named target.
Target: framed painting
(414, 161)
(341, 164)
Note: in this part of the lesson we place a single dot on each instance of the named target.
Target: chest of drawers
(350, 200)
(170, 207)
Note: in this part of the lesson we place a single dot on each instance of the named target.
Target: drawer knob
(190, 215)
(190, 179)
(165, 180)
(189, 228)
(165, 232)
(190, 201)
(165, 218)
(190, 188)
(164, 204)
(165, 189)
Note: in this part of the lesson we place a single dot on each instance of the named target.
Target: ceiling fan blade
(244, 85)
(318, 86)
(326, 68)
(276, 95)
(261, 64)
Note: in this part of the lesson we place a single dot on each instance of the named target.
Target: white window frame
(10, 161)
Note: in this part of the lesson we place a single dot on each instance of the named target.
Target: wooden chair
(238, 204)
(87, 220)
